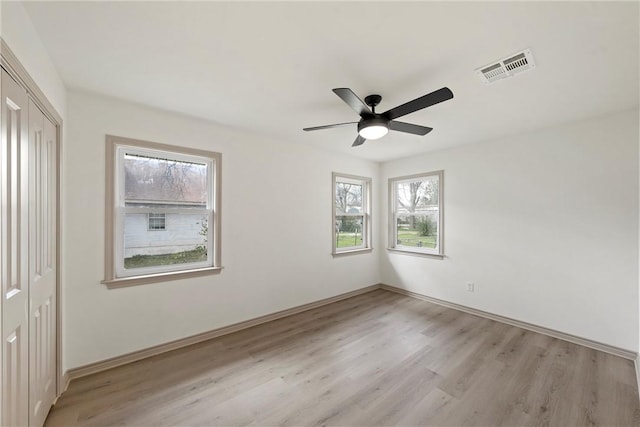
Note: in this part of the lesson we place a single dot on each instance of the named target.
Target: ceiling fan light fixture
(374, 132)
(373, 129)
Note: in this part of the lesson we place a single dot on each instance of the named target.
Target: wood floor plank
(379, 358)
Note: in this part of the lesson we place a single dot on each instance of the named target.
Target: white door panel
(42, 273)
(14, 222)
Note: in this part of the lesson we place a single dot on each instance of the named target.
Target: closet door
(14, 267)
(42, 265)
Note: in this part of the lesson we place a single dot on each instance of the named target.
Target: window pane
(348, 231)
(417, 197)
(419, 231)
(156, 221)
(183, 241)
(348, 198)
(150, 181)
(416, 207)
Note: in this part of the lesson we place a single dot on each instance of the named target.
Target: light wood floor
(376, 359)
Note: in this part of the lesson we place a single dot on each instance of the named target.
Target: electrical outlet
(470, 287)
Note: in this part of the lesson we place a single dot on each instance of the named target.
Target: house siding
(181, 233)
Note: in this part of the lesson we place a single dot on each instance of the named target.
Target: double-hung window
(155, 187)
(416, 213)
(351, 213)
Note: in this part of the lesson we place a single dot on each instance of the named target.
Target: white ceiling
(270, 67)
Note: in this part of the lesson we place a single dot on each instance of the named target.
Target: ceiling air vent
(507, 67)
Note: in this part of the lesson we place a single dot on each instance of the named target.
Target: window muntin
(156, 221)
(156, 187)
(351, 213)
(416, 213)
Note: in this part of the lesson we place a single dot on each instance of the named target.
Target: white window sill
(416, 253)
(352, 252)
(122, 282)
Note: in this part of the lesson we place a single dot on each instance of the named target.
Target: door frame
(10, 63)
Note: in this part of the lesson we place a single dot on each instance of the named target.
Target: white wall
(545, 224)
(18, 31)
(276, 233)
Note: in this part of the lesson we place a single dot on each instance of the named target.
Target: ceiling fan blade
(409, 128)
(329, 126)
(425, 101)
(359, 141)
(353, 101)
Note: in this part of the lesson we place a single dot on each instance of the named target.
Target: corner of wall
(22, 37)
(381, 203)
(637, 363)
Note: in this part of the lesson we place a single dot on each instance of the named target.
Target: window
(416, 213)
(156, 221)
(351, 213)
(155, 187)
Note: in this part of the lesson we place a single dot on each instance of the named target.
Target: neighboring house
(155, 234)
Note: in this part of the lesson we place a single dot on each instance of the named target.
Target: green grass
(344, 240)
(413, 237)
(185, 257)
(406, 237)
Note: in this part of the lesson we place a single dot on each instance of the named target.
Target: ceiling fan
(374, 125)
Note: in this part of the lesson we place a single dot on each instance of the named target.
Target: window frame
(115, 274)
(366, 214)
(393, 229)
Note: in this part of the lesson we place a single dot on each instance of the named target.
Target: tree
(148, 178)
(409, 196)
(413, 194)
(204, 232)
(428, 226)
(342, 193)
(348, 195)
(348, 200)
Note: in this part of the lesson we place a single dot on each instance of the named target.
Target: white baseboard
(616, 351)
(124, 359)
(64, 384)
(638, 373)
